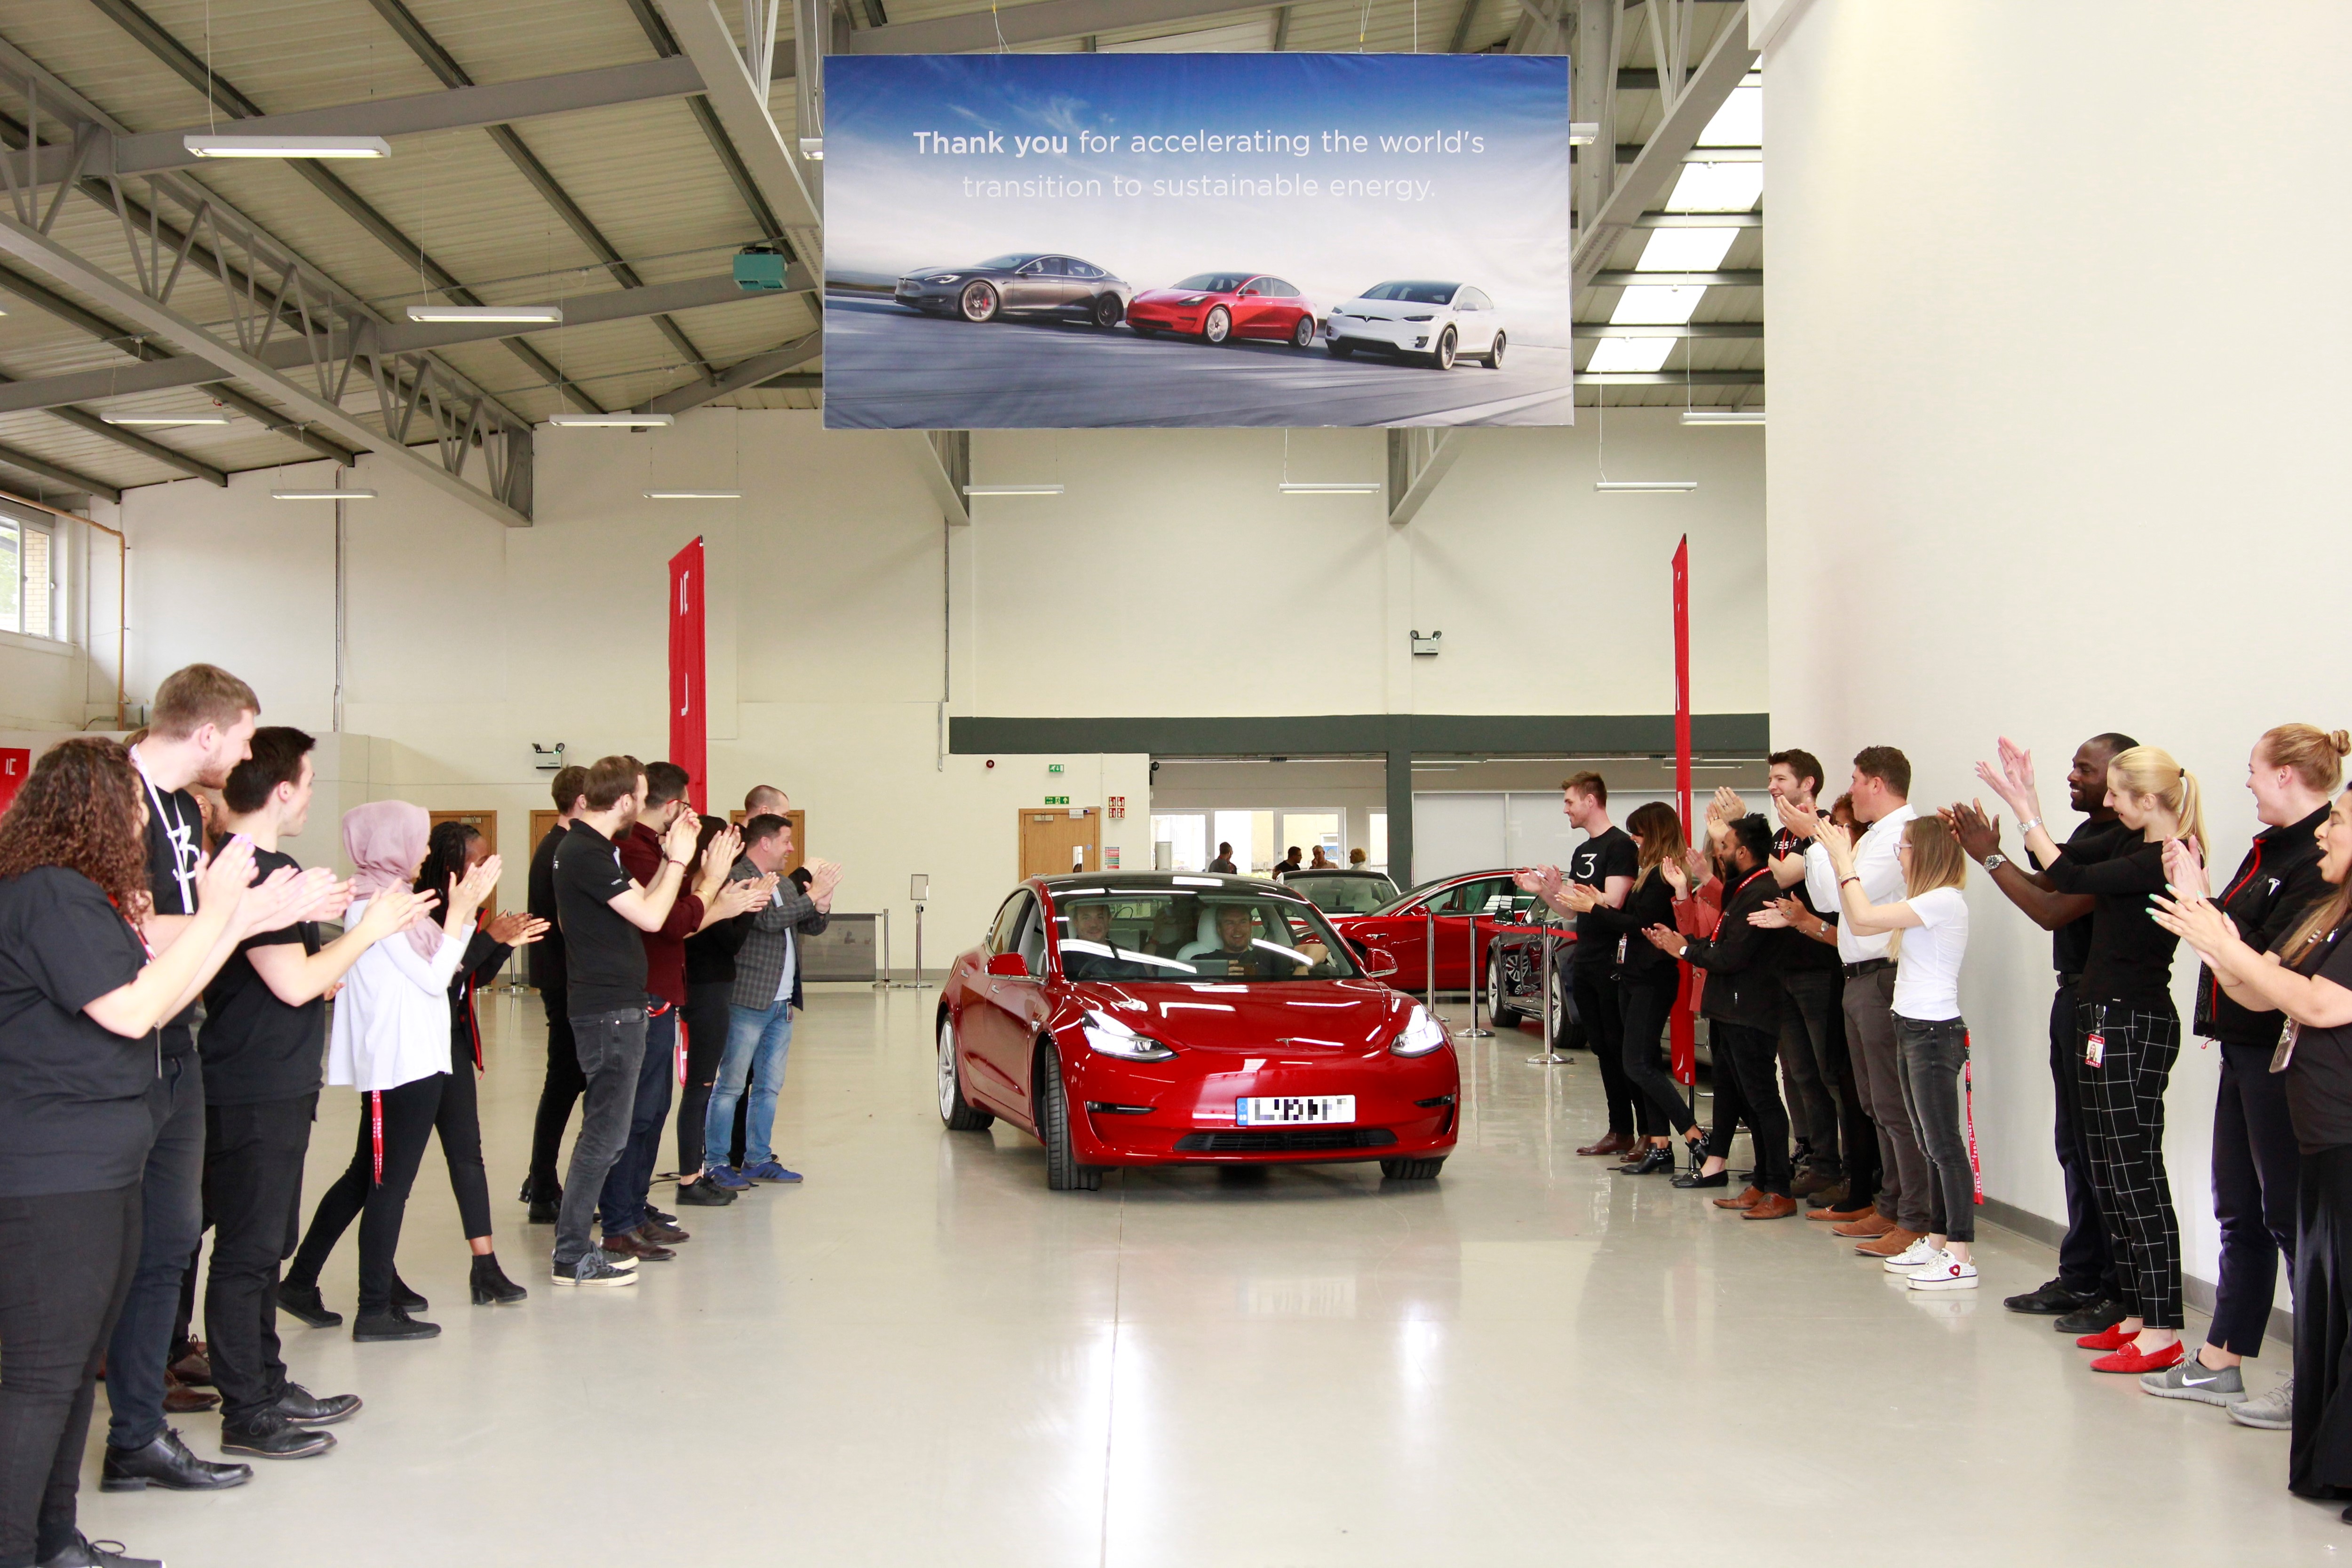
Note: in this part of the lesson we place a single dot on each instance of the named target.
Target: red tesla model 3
(1155, 1018)
(1218, 306)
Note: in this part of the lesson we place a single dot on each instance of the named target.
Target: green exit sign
(1052, 767)
(1058, 800)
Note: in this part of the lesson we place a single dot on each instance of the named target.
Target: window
(1001, 935)
(1195, 939)
(28, 570)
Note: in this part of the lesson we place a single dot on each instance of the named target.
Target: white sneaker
(1946, 1273)
(1912, 1256)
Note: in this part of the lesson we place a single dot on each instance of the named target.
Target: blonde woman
(1931, 1040)
(2127, 1030)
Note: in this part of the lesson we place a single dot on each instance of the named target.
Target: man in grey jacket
(760, 1011)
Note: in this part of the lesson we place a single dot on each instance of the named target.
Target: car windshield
(1017, 258)
(1412, 293)
(1347, 895)
(1214, 938)
(1214, 282)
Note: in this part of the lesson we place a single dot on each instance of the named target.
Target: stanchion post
(1473, 1032)
(918, 890)
(1428, 947)
(1551, 1055)
(882, 976)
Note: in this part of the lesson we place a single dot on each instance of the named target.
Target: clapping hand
(1667, 940)
(1797, 819)
(1780, 914)
(743, 894)
(515, 929)
(1727, 805)
(2195, 920)
(1579, 897)
(1677, 875)
(678, 838)
(1979, 834)
(2184, 868)
(466, 895)
(1839, 842)
(2012, 780)
(393, 911)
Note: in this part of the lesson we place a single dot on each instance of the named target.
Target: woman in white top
(1931, 927)
(390, 1042)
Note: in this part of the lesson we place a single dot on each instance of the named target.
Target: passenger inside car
(1238, 952)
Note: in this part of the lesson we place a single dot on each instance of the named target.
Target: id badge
(1621, 950)
(2094, 1050)
(2285, 1052)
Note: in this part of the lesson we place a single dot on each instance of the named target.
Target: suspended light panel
(546, 315)
(1022, 490)
(165, 419)
(613, 421)
(322, 495)
(1723, 416)
(693, 495)
(288, 146)
(1329, 488)
(1638, 487)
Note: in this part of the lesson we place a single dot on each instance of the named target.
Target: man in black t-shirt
(541, 1189)
(601, 913)
(2088, 1289)
(1831, 1125)
(1608, 861)
(265, 1032)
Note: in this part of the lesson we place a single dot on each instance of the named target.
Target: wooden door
(799, 819)
(485, 823)
(542, 824)
(1059, 840)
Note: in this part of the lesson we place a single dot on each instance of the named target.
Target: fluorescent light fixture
(693, 495)
(1635, 487)
(1332, 487)
(1028, 489)
(288, 146)
(551, 315)
(613, 421)
(1583, 132)
(812, 149)
(165, 419)
(1723, 416)
(322, 495)
(1639, 355)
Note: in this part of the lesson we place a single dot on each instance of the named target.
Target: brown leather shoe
(179, 1399)
(661, 1235)
(1888, 1246)
(1836, 1215)
(196, 1367)
(628, 1244)
(1615, 1143)
(1772, 1205)
(1749, 1198)
(1869, 1227)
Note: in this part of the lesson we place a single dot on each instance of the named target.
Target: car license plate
(1291, 1110)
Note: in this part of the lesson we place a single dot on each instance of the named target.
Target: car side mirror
(1379, 963)
(1008, 966)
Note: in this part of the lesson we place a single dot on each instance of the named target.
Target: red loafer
(2132, 1358)
(2108, 1339)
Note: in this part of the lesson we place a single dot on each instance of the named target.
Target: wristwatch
(1995, 861)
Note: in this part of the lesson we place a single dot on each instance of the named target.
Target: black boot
(491, 1286)
(304, 1304)
(1653, 1158)
(404, 1299)
(165, 1462)
(545, 1199)
(371, 1328)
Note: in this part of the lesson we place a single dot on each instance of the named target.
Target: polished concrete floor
(923, 1356)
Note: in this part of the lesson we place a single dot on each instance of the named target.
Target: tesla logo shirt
(1595, 861)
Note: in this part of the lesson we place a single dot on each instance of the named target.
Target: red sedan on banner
(1218, 306)
(1153, 1019)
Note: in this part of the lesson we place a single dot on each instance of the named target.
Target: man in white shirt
(1881, 789)
(767, 985)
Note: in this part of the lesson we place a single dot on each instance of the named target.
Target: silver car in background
(1022, 283)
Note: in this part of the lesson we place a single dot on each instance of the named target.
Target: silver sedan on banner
(1024, 283)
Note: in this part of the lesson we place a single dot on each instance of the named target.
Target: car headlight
(1419, 318)
(1195, 299)
(1113, 1038)
(947, 277)
(1420, 1036)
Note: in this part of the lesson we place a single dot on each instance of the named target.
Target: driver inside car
(1090, 923)
(1243, 956)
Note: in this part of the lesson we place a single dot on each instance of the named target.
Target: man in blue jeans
(767, 987)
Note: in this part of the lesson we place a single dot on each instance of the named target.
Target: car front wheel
(1494, 355)
(1413, 1170)
(1063, 1171)
(1442, 356)
(978, 302)
(1302, 336)
(1218, 326)
(1107, 310)
(959, 1113)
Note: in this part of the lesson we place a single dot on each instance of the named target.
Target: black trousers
(1645, 1002)
(2087, 1263)
(2256, 1168)
(706, 1015)
(252, 1190)
(1751, 1059)
(171, 1224)
(457, 1122)
(2319, 1448)
(2124, 1096)
(1813, 1022)
(379, 1203)
(66, 1264)
(562, 1090)
(1604, 1031)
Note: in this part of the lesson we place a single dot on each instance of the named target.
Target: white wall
(1171, 578)
(2020, 484)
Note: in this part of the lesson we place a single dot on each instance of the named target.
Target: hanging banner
(1683, 1035)
(689, 722)
(1049, 241)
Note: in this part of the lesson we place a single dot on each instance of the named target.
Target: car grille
(1301, 1139)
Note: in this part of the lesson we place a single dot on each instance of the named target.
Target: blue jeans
(609, 1048)
(624, 1201)
(758, 1041)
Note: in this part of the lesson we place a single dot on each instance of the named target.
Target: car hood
(1338, 1016)
(1169, 296)
(1388, 310)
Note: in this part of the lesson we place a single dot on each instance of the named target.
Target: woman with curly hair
(80, 1003)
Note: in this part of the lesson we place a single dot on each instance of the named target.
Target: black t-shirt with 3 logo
(1592, 863)
(175, 850)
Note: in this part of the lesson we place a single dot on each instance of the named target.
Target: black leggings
(706, 1015)
(1645, 1002)
(562, 1092)
(66, 1262)
(459, 1124)
(1596, 1004)
(409, 1115)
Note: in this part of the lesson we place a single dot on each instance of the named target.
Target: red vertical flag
(689, 719)
(1684, 1035)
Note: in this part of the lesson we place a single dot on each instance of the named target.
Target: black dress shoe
(1653, 1158)
(2091, 1317)
(706, 1194)
(1689, 1179)
(304, 1408)
(658, 1217)
(270, 1435)
(404, 1299)
(87, 1553)
(304, 1304)
(545, 1211)
(375, 1328)
(165, 1462)
(660, 1232)
(2049, 1301)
